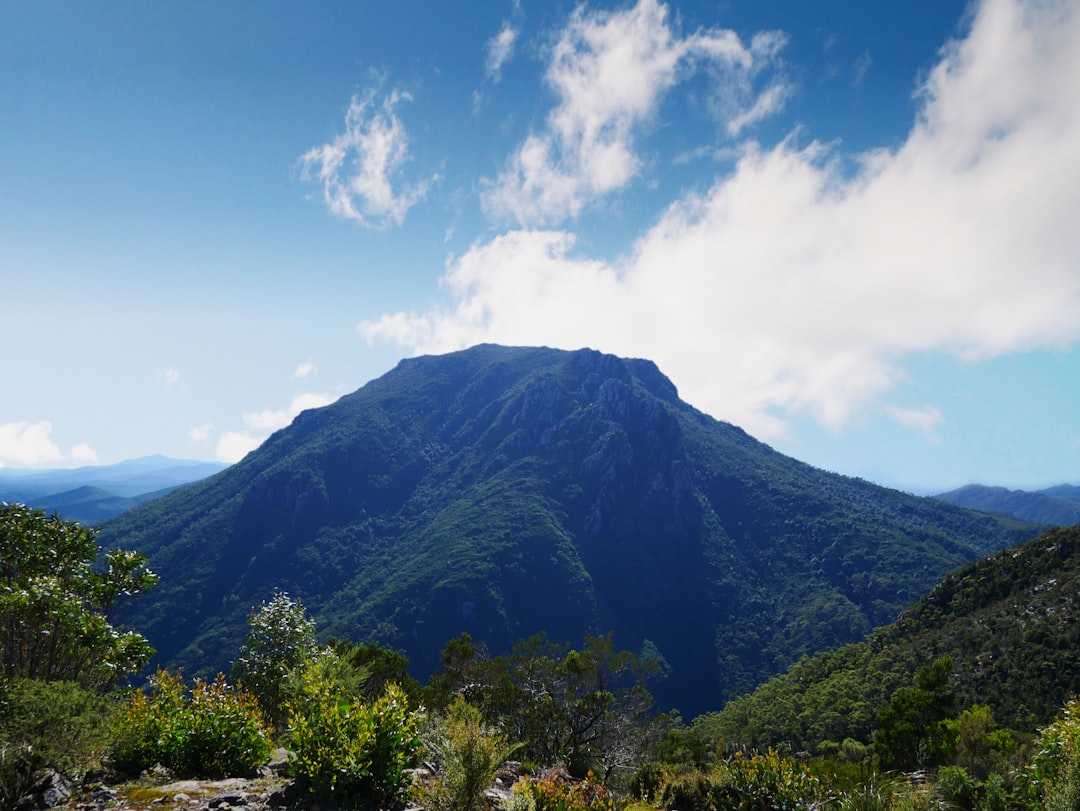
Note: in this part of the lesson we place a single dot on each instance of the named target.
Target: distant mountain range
(94, 493)
(507, 491)
(1053, 506)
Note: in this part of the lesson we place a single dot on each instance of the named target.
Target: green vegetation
(280, 640)
(353, 753)
(208, 730)
(1010, 624)
(468, 753)
(503, 492)
(54, 605)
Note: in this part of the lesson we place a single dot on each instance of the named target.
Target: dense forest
(962, 703)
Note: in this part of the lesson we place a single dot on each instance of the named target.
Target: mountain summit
(507, 491)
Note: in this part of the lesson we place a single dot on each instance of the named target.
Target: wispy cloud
(170, 377)
(610, 70)
(925, 420)
(500, 50)
(805, 283)
(360, 170)
(306, 369)
(30, 444)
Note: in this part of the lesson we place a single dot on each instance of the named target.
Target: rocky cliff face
(507, 491)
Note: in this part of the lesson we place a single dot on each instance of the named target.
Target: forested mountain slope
(505, 491)
(1010, 623)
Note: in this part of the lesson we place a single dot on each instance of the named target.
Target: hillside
(505, 491)
(1054, 506)
(1010, 622)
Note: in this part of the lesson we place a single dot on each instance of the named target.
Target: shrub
(558, 792)
(54, 603)
(687, 792)
(468, 753)
(45, 724)
(211, 730)
(280, 640)
(768, 781)
(1054, 774)
(353, 753)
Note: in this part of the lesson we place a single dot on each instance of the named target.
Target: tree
(55, 606)
(281, 639)
(914, 730)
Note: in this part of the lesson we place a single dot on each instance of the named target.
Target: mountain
(94, 493)
(505, 491)
(1010, 622)
(1054, 506)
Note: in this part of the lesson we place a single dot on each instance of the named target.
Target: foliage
(1054, 773)
(913, 731)
(468, 753)
(1011, 624)
(557, 791)
(56, 725)
(376, 667)
(502, 491)
(54, 604)
(353, 753)
(767, 781)
(208, 730)
(281, 639)
(587, 708)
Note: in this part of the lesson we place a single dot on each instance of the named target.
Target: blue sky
(848, 227)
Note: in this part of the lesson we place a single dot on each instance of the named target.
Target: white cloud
(306, 369)
(925, 419)
(201, 433)
(170, 377)
(500, 50)
(233, 446)
(272, 419)
(610, 70)
(359, 170)
(790, 285)
(26, 444)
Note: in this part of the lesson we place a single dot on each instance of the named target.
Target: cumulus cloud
(500, 50)
(360, 169)
(30, 444)
(272, 419)
(610, 70)
(792, 284)
(232, 446)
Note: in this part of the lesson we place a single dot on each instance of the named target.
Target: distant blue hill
(1052, 506)
(92, 494)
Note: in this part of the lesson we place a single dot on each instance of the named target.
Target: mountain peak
(505, 491)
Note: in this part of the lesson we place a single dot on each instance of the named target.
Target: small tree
(281, 640)
(54, 605)
(468, 753)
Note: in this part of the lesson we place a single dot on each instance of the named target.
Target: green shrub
(767, 781)
(211, 730)
(468, 754)
(47, 724)
(558, 792)
(687, 792)
(1054, 774)
(280, 640)
(956, 786)
(353, 753)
